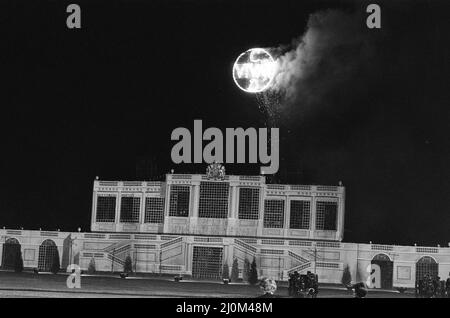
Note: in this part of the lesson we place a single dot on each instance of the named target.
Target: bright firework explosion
(254, 72)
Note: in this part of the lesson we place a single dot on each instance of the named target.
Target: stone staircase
(117, 252)
(301, 263)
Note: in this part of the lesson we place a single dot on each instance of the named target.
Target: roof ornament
(215, 171)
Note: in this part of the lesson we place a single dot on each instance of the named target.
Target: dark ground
(49, 285)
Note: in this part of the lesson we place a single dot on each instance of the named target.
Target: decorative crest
(215, 171)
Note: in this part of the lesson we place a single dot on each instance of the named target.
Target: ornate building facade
(193, 224)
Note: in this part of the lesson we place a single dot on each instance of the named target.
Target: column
(233, 211)
(262, 195)
(341, 216)
(313, 216)
(188, 258)
(142, 212)
(118, 201)
(195, 200)
(287, 215)
(234, 206)
(193, 207)
(166, 208)
(94, 211)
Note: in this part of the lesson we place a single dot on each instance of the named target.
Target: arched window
(11, 252)
(381, 258)
(12, 240)
(426, 265)
(47, 252)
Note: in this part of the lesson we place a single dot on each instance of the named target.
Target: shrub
(234, 271)
(253, 277)
(246, 270)
(225, 271)
(128, 267)
(91, 268)
(346, 276)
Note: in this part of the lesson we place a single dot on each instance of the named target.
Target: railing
(149, 237)
(208, 239)
(272, 252)
(300, 187)
(272, 242)
(94, 235)
(379, 247)
(115, 259)
(299, 268)
(245, 245)
(172, 242)
(328, 244)
(300, 243)
(116, 246)
(431, 250)
(299, 258)
(327, 188)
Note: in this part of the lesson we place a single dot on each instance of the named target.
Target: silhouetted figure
(359, 289)
(447, 287)
(123, 275)
(301, 285)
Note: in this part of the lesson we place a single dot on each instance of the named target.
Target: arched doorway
(11, 252)
(47, 252)
(426, 265)
(386, 268)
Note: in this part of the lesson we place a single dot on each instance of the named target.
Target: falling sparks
(269, 103)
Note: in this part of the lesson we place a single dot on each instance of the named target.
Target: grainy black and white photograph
(220, 149)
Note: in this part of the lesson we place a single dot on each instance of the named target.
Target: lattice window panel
(207, 262)
(154, 210)
(326, 216)
(213, 201)
(130, 208)
(46, 256)
(179, 201)
(300, 214)
(274, 213)
(248, 203)
(106, 209)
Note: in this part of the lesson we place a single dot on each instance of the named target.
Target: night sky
(103, 101)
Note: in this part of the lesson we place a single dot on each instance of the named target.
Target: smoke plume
(334, 50)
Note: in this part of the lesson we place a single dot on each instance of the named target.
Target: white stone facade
(173, 241)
